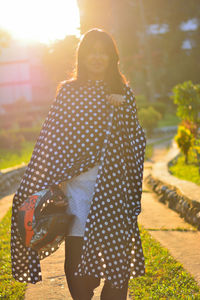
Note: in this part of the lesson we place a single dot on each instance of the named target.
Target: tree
(187, 97)
(163, 55)
(149, 118)
(59, 58)
(95, 14)
(185, 141)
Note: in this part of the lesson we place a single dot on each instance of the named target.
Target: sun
(40, 20)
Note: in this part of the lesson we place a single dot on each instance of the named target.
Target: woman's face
(96, 61)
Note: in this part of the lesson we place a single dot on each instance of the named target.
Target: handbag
(43, 221)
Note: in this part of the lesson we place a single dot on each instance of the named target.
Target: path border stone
(10, 179)
(180, 195)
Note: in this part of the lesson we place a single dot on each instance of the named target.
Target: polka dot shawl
(70, 142)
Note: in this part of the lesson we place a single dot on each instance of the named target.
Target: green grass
(11, 158)
(169, 120)
(9, 287)
(148, 151)
(150, 147)
(188, 171)
(165, 278)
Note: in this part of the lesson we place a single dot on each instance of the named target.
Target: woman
(93, 145)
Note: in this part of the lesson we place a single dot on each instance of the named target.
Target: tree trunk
(186, 158)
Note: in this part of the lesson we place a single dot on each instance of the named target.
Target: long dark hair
(114, 78)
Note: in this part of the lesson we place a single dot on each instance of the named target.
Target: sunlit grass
(11, 158)
(148, 151)
(9, 287)
(165, 278)
(150, 147)
(169, 120)
(188, 171)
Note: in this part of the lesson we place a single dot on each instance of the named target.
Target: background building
(22, 74)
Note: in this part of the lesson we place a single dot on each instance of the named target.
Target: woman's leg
(109, 293)
(81, 288)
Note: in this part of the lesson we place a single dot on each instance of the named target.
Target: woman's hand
(115, 99)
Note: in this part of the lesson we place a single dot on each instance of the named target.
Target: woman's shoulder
(66, 85)
(129, 92)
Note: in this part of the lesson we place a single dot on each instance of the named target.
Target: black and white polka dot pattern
(70, 143)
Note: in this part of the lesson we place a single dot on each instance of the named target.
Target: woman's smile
(97, 61)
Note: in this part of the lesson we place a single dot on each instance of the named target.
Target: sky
(190, 25)
(41, 21)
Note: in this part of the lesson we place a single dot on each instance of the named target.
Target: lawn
(148, 151)
(9, 288)
(169, 120)
(150, 147)
(165, 278)
(11, 158)
(188, 171)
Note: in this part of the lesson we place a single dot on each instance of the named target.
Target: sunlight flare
(42, 21)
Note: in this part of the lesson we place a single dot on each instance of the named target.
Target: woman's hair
(113, 77)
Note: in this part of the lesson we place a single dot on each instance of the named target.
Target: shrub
(197, 150)
(185, 141)
(29, 134)
(142, 101)
(160, 107)
(5, 140)
(187, 97)
(26, 122)
(149, 118)
(9, 140)
(13, 139)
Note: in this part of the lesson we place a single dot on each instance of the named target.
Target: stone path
(54, 286)
(184, 246)
(5, 204)
(161, 222)
(160, 171)
(165, 225)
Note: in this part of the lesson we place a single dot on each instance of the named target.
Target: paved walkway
(54, 286)
(184, 246)
(155, 217)
(165, 224)
(5, 204)
(160, 171)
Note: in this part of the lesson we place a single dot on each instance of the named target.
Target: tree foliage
(59, 58)
(185, 141)
(148, 59)
(187, 97)
(149, 118)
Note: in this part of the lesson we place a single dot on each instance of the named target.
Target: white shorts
(79, 191)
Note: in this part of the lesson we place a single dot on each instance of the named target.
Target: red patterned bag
(43, 221)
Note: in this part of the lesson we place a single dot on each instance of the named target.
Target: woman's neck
(95, 76)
